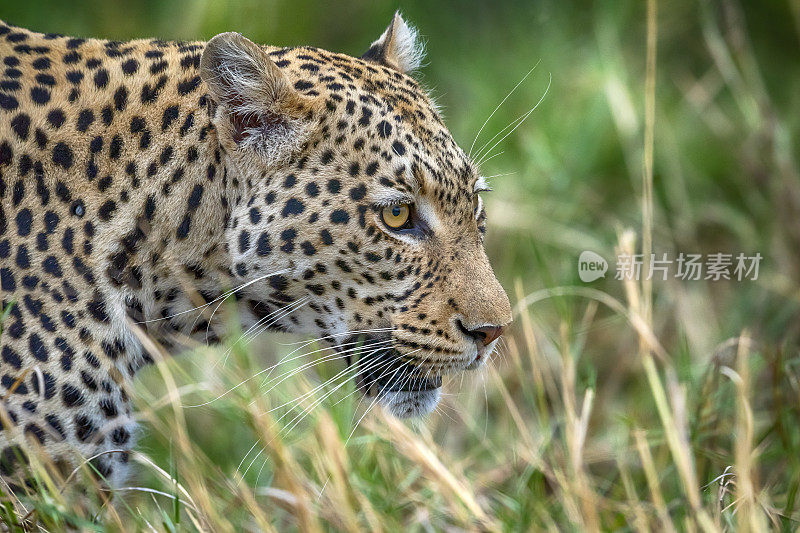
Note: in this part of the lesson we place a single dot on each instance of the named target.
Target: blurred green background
(568, 179)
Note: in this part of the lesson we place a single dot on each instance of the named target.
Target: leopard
(143, 180)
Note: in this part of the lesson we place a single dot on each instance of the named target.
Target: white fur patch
(406, 50)
(481, 185)
(409, 404)
(408, 47)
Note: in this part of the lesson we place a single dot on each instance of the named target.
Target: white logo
(591, 266)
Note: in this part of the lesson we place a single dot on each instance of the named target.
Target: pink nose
(487, 334)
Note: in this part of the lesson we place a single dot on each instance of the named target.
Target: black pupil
(396, 211)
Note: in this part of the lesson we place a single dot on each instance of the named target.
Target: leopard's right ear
(258, 109)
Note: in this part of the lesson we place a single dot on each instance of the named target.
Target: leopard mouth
(383, 372)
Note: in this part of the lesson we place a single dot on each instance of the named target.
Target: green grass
(611, 405)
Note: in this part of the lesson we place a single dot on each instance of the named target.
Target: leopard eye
(396, 216)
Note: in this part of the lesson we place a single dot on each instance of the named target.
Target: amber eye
(396, 216)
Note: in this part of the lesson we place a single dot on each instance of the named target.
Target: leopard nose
(483, 335)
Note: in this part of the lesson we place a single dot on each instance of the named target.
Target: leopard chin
(409, 404)
(401, 388)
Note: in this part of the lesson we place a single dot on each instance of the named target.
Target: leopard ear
(258, 107)
(399, 47)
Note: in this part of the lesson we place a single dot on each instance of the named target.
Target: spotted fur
(139, 180)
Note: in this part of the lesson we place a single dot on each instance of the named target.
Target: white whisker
(524, 117)
(525, 77)
(335, 335)
(498, 154)
(296, 371)
(265, 323)
(299, 418)
(220, 297)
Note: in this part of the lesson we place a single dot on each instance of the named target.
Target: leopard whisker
(501, 152)
(273, 317)
(343, 354)
(211, 318)
(263, 320)
(295, 421)
(369, 408)
(501, 132)
(316, 403)
(339, 352)
(266, 322)
(285, 359)
(353, 371)
(249, 451)
(375, 400)
(253, 447)
(524, 118)
(220, 297)
(499, 175)
(355, 427)
(342, 334)
(520, 82)
(229, 293)
(334, 357)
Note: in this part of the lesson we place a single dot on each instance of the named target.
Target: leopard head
(358, 219)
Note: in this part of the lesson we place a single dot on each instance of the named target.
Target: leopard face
(359, 219)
